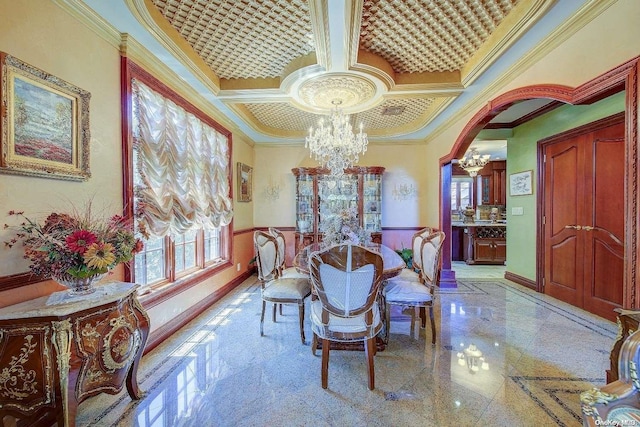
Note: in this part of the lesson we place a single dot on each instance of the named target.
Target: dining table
(392, 265)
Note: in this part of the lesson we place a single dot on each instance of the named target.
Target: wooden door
(584, 217)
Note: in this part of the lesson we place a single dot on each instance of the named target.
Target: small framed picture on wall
(521, 183)
(245, 182)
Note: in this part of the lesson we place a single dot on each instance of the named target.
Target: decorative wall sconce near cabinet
(404, 191)
(272, 190)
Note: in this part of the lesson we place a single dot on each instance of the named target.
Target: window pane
(179, 258)
(149, 263)
(454, 196)
(212, 249)
(465, 194)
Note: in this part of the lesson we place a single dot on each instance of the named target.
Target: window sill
(154, 295)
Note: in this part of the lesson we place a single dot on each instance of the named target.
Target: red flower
(139, 246)
(80, 240)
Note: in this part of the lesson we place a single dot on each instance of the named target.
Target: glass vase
(79, 286)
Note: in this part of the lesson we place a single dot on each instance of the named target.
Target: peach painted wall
(44, 35)
(41, 34)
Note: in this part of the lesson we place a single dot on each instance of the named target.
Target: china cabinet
(319, 196)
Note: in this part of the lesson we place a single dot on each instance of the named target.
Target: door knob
(587, 228)
(575, 227)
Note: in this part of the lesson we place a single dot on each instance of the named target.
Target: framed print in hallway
(520, 184)
(44, 123)
(244, 182)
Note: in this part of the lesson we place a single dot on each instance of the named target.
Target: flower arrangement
(76, 245)
(344, 227)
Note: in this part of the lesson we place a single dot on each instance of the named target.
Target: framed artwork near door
(520, 184)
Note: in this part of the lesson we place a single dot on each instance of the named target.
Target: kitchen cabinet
(319, 195)
(493, 183)
(485, 244)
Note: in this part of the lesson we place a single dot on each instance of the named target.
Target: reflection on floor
(538, 355)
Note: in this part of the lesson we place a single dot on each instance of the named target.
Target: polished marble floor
(218, 371)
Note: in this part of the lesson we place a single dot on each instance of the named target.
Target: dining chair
(417, 293)
(413, 272)
(346, 279)
(274, 288)
(281, 244)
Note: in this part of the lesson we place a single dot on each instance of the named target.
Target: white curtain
(183, 167)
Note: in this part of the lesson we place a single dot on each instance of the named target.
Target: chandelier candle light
(335, 146)
(472, 162)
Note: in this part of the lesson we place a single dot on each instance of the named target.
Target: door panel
(562, 243)
(562, 267)
(584, 200)
(603, 244)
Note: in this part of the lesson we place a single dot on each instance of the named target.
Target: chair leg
(314, 344)
(281, 309)
(264, 306)
(433, 326)
(370, 351)
(387, 322)
(325, 363)
(423, 317)
(301, 315)
(274, 312)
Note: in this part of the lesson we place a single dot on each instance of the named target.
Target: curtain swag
(183, 167)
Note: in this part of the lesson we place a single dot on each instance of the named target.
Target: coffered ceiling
(276, 66)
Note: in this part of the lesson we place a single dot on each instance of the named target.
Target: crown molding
(576, 22)
(84, 14)
(504, 37)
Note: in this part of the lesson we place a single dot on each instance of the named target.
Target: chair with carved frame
(412, 293)
(617, 403)
(346, 279)
(277, 289)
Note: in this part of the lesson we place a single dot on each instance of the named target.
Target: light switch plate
(517, 210)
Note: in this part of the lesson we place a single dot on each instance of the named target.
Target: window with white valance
(177, 186)
(183, 167)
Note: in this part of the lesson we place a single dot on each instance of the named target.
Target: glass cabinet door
(336, 194)
(305, 204)
(371, 202)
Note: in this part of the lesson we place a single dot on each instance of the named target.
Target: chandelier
(472, 162)
(334, 145)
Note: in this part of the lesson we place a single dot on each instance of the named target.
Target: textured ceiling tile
(285, 117)
(242, 39)
(417, 36)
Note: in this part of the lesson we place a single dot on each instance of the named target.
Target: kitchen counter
(478, 224)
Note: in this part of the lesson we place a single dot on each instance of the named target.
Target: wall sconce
(404, 191)
(272, 191)
(472, 357)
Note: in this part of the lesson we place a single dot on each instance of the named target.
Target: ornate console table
(55, 354)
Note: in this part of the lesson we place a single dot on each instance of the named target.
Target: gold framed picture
(245, 182)
(44, 123)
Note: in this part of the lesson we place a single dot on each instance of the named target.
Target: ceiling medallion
(350, 90)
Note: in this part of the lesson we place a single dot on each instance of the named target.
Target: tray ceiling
(393, 65)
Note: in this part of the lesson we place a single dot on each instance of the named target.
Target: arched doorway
(622, 78)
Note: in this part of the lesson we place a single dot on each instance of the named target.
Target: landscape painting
(43, 123)
(45, 131)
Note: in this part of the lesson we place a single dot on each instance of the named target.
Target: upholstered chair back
(431, 254)
(266, 249)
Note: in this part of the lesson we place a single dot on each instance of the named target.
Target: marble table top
(63, 304)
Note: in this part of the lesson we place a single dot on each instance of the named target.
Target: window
(461, 194)
(181, 205)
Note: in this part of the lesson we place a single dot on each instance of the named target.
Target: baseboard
(531, 284)
(169, 328)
